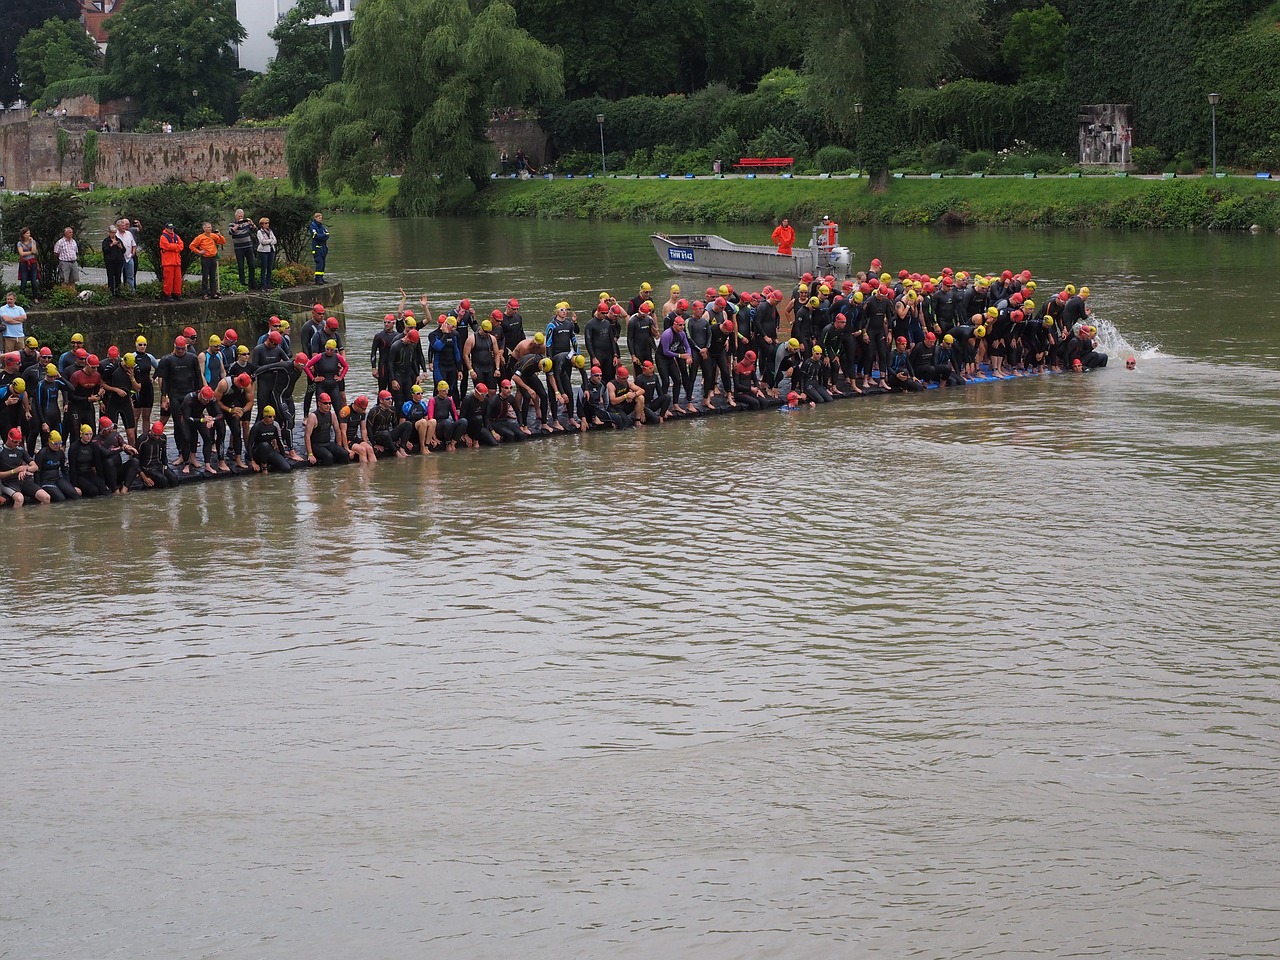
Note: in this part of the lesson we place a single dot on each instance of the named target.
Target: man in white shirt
(68, 253)
(130, 246)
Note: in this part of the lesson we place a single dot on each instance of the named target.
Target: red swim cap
(103, 422)
(274, 338)
(413, 336)
(930, 337)
(92, 360)
(318, 308)
(902, 341)
(299, 357)
(793, 397)
(464, 304)
(157, 429)
(682, 305)
(113, 352)
(179, 341)
(513, 304)
(324, 398)
(495, 315)
(482, 388)
(332, 323)
(189, 333)
(647, 365)
(728, 326)
(243, 380)
(231, 336)
(206, 394)
(384, 394)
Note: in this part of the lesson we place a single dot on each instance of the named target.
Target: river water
(983, 673)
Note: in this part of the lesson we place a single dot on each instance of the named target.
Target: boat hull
(711, 255)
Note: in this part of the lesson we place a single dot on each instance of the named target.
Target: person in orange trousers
(784, 235)
(171, 247)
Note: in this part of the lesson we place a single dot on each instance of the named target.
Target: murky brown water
(983, 673)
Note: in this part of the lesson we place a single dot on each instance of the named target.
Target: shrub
(833, 159)
(186, 206)
(694, 161)
(289, 215)
(578, 161)
(292, 275)
(1148, 159)
(46, 214)
(980, 161)
(944, 153)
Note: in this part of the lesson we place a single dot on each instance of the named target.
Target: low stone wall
(513, 135)
(161, 321)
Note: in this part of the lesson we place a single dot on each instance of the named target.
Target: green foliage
(1147, 159)
(418, 84)
(17, 18)
(55, 50)
(47, 214)
(186, 206)
(90, 85)
(1035, 45)
(987, 116)
(193, 78)
(89, 164)
(677, 45)
(685, 122)
(835, 159)
(62, 146)
(299, 68)
(1243, 65)
(1089, 201)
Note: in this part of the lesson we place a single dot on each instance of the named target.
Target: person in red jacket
(171, 246)
(784, 235)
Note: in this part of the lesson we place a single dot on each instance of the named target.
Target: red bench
(764, 163)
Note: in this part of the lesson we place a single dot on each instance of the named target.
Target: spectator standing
(171, 262)
(14, 317)
(266, 252)
(68, 253)
(206, 244)
(28, 263)
(319, 244)
(242, 233)
(113, 258)
(130, 244)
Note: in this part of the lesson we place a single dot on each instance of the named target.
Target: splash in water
(1114, 343)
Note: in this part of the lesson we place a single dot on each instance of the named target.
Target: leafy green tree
(299, 68)
(884, 45)
(186, 206)
(419, 82)
(16, 18)
(47, 214)
(55, 50)
(1036, 44)
(177, 57)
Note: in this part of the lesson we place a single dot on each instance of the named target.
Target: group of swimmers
(477, 380)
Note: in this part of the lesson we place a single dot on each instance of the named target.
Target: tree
(1036, 44)
(16, 18)
(299, 68)
(177, 57)
(885, 45)
(47, 214)
(419, 82)
(55, 50)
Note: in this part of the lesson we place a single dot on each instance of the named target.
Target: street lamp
(1213, 119)
(857, 115)
(604, 170)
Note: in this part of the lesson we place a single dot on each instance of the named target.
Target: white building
(259, 18)
(339, 21)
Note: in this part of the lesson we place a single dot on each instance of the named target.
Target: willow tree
(884, 45)
(418, 84)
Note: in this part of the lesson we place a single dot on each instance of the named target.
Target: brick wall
(29, 154)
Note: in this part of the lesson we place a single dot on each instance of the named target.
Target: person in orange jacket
(206, 245)
(171, 247)
(784, 235)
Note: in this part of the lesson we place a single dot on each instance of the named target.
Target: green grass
(1235, 203)
(346, 201)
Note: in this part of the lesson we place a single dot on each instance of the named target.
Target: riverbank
(1119, 202)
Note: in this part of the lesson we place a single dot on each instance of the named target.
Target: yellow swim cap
(824, 289)
(32, 342)
(416, 390)
(1070, 289)
(215, 340)
(130, 360)
(331, 344)
(486, 326)
(442, 386)
(579, 361)
(992, 312)
(675, 288)
(817, 351)
(948, 339)
(814, 301)
(979, 332)
(605, 296)
(539, 338)
(645, 287)
(793, 343)
(51, 370)
(858, 297)
(562, 305)
(723, 290)
(19, 385)
(268, 411)
(55, 436)
(545, 364)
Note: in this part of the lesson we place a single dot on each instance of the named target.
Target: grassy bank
(236, 190)
(1190, 203)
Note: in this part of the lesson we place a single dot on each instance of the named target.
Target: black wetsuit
(267, 445)
(51, 477)
(153, 459)
(324, 439)
(82, 469)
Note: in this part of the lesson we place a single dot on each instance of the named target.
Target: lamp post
(1213, 120)
(604, 170)
(857, 116)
